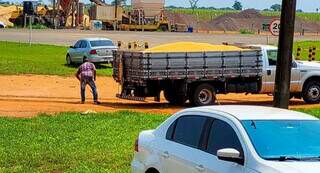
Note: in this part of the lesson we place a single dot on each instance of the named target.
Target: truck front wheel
(311, 92)
(203, 95)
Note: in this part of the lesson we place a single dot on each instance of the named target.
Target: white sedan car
(231, 139)
(96, 50)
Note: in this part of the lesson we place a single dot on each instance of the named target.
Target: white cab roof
(267, 47)
(254, 112)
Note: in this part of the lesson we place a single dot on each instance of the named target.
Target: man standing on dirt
(86, 74)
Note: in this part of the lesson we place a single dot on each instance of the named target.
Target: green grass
(315, 17)
(314, 112)
(203, 14)
(208, 14)
(71, 142)
(246, 31)
(21, 58)
(39, 26)
(305, 45)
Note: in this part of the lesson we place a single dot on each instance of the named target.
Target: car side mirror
(230, 155)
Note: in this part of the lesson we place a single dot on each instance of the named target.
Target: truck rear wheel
(203, 95)
(311, 92)
(174, 98)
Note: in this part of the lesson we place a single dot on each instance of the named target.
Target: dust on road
(29, 95)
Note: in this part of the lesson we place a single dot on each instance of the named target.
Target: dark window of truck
(222, 136)
(272, 57)
(188, 130)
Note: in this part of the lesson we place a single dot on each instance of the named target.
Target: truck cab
(305, 76)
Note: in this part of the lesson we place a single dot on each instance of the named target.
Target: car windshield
(276, 139)
(101, 43)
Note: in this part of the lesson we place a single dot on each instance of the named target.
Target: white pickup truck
(305, 76)
(199, 76)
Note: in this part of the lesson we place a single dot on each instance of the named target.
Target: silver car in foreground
(96, 50)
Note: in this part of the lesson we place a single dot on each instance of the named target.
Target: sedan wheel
(69, 61)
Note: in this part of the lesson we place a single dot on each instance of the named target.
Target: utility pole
(115, 14)
(284, 61)
(54, 14)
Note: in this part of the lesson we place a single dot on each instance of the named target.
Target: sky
(305, 5)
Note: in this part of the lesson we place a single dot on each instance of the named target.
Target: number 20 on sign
(275, 27)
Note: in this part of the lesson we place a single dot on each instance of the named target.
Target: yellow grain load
(191, 47)
(86, 21)
(5, 14)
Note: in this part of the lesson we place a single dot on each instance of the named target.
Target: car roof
(95, 38)
(254, 112)
(268, 47)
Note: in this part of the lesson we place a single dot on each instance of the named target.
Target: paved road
(67, 37)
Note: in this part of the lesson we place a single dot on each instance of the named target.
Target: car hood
(306, 65)
(295, 167)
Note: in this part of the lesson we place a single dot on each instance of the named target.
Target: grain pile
(86, 21)
(191, 47)
(5, 14)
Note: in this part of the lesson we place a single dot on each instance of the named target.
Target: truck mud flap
(128, 97)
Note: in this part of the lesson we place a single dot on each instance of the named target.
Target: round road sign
(274, 27)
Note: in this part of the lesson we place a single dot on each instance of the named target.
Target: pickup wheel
(173, 98)
(311, 92)
(203, 95)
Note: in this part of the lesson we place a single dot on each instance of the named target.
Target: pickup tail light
(93, 52)
(136, 145)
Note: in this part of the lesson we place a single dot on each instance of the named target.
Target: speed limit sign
(274, 27)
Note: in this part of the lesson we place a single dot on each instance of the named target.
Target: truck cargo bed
(132, 66)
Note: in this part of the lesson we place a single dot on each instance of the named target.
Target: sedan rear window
(188, 130)
(101, 43)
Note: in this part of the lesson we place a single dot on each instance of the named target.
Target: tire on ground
(311, 92)
(173, 98)
(68, 59)
(84, 59)
(203, 95)
(164, 28)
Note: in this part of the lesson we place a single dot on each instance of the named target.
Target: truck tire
(203, 95)
(311, 92)
(164, 28)
(174, 98)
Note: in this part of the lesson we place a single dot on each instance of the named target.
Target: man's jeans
(88, 80)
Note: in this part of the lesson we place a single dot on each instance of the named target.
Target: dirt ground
(29, 95)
